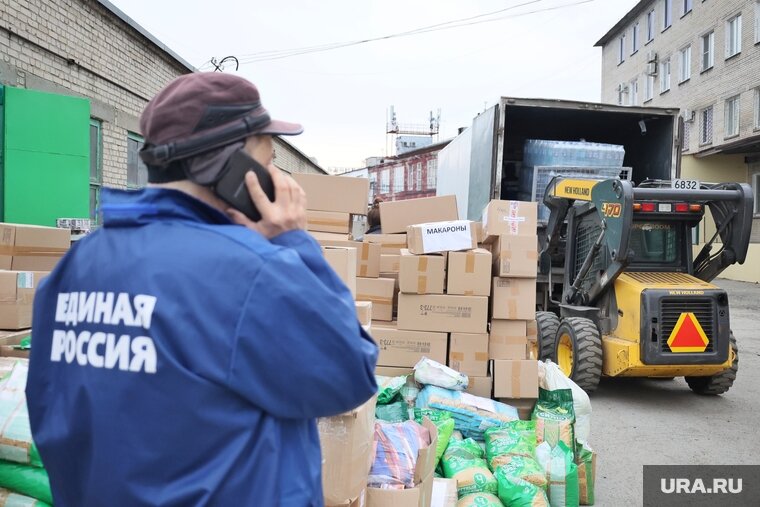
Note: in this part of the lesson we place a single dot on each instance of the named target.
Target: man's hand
(286, 213)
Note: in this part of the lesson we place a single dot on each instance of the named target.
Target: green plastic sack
(526, 469)
(10, 499)
(585, 459)
(27, 480)
(554, 416)
(463, 461)
(393, 413)
(388, 388)
(562, 474)
(445, 424)
(516, 438)
(517, 492)
(479, 500)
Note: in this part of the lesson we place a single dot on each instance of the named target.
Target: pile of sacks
(495, 458)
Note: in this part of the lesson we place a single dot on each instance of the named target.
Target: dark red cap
(195, 107)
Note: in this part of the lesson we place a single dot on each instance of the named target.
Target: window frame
(385, 181)
(667, 14)
(735, 111)
(684, 5)
(755, 182)
(621, 49)
(708, 37)
(684, 68)
(686, 141)
(757, 21)
(635, 36)
(756, 110)
(96, 183)
(648, 88)
(634, 92)
(651, 23)
(399, 179)
(665, 78)
(703, 126)
(729, 32)
(132, 136)
(431, 168)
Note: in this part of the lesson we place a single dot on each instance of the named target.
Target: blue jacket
(181, 360)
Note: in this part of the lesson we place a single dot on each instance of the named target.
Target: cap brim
(281, 128)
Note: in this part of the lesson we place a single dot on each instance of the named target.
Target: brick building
(406, 176)
(93, 50)
(703, 57)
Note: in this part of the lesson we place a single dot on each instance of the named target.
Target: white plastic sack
(543, 454)
(551, 377)
(433, 373)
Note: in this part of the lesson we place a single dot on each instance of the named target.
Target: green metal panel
(46, 155)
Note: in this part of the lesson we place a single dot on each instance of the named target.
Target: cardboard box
(367, 256)
(421, 274)
(390, 263)
(31, 247)
(17, 290)
(334, 193)
(347, 442)
(393, 371)
(444, 313)
(380, 292)
(389, 243)
(402, 348)
(480, 386)
(328, 221)
(479, 233)
(421, 494)
(513, 298)
(524, 406)
(394, 277)
(468, 353)
(515, 378)
(364, 312)
(442, 237)
(469, 273)
(510, 218)
(343, 262)
(444, 493)
(508, 339)
(515, 256)
(329, 236)
(396, 216)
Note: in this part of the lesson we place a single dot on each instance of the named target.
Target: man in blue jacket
(182, 352)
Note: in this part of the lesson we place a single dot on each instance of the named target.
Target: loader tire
(547, 323)
(720, 382)
(578, 349)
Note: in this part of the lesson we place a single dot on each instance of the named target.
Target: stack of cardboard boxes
(510, 230)
(27, 254)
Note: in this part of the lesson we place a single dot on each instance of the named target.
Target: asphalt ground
(638, 422)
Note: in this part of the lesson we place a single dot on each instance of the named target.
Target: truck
(619, 290)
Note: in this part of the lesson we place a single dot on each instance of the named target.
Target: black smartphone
(231, 186)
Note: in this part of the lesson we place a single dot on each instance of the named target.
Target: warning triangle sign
(688, 335)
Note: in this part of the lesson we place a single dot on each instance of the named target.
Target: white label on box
(476, 401)
(443, 236)
(25, 280)
(512, 218)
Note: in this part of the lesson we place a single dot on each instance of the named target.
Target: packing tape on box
(365, 251)
(375, 300)
(363, 270)
(32, 250)
(469, 262)
(422, 284)
(481, 356)
(532, 255)
(422, 263)
(327, 221)
(456, 356)
(469, 293)
(512, 308)
(516, 370)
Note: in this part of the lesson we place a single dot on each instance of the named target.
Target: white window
(398, 179)
(635, 39)
(635, 92)
(732, 116)
(667, 15)
(756, 191)
(649, 88)
(708, 51)
(431, 177)
(684, 73)
(757, 21)
(621, 50)
(756, 113)
(418, 177)
(665, 76)
(706, 126)
(385, 181)
(734, 36)
(650, 25)
(686, 136)
(685, 7)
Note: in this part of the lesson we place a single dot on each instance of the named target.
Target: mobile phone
(231, 186)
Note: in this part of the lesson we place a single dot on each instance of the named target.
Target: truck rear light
(664, 207)
(682, 207)
(647, 207)
(695, 207)
(637, 206)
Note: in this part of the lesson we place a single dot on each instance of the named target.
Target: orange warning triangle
(688, 335)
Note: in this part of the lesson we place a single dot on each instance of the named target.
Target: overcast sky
(342, 96)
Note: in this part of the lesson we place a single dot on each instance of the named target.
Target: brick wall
(291, 160)
(406, 166)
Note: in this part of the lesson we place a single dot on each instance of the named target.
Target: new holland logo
(688, 335)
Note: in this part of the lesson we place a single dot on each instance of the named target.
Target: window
(398, 179)
(655, 242)
(635, 92)
(650, 25)
(732, 116)
(649, 88)
(621, 50)
(665, 76)
(432, 178)
(137, 173)
(757, 21)
(685, 69)
(706, 126)
(385, 181)
(635, 39)
(708, 51)
(756, 191)
(685, 7)
(734, 36)
(418, 176)
(667, 15)
(686, 136)
(756, 113)
(96, 168)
